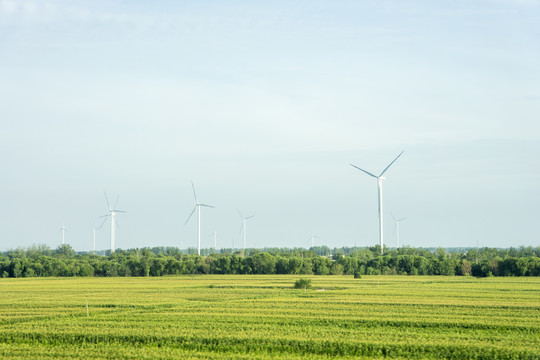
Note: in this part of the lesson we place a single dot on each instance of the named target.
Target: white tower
(63, 230)
(379, 178)
(396, 228)
(112, 214)
(244, 226)
(198, 208)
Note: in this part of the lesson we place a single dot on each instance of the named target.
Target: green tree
(263, 263)
(336, 269)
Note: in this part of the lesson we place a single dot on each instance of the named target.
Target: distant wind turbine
(397, 228)
(198, 208)
(312, 237)
(112, 214)
(63, 230)
(244, 226)
(380, 178)
(214, 234)
(94, 229)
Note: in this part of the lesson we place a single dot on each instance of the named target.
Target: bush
(302, 284)
(357, 274)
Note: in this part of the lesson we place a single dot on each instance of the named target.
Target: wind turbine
(214, 234)
(313, 236)
(397, 228)
(380, 178)
(94, 229)
(112, 213)
(198, 208)
(244, 226)
(63, 230)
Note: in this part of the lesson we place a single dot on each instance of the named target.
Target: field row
(264, 317)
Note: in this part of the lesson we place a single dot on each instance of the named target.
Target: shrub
(357, 274)
(302, 284)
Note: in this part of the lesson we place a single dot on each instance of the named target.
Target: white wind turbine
(312, 237)
(214, 234)
(380, 178)
(112, 213)
(198, 208)
(244, 226)
(94, 229)
(63, 230)
(397, 228)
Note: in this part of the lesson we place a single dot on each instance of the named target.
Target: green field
(264, 317)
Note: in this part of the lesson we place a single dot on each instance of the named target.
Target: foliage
(302, 284)
(40, 261)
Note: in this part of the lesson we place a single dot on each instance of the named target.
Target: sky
(264, 106)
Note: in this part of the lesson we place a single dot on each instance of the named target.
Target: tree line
(41, 261)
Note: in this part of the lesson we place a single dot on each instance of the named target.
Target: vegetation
(263, 317)
(41, 261)
(302, 284)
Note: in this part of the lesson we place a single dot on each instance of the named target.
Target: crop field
(264, 317)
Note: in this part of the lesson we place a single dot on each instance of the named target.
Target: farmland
(264, 317)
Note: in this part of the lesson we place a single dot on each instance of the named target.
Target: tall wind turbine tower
(214, 235)
(396, 221)
(94, 229)
(198, 208)
(312, 237)
(112, 214)
(63, 230)
(379, 178)
(244, 226)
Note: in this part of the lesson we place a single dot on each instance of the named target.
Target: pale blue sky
(263, 106)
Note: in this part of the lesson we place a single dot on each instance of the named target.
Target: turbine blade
(393, 217)
(104, 220)
(189, 217)
(402, 219)
(210, 206)
(122, 211)
(116, 221)
(106, 198)
(367, 172)
(241, 227)
(249, 217)
(239, 213)
(392, 163)
(194, 194)
(116, 202)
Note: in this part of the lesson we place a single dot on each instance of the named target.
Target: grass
(264, 317)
